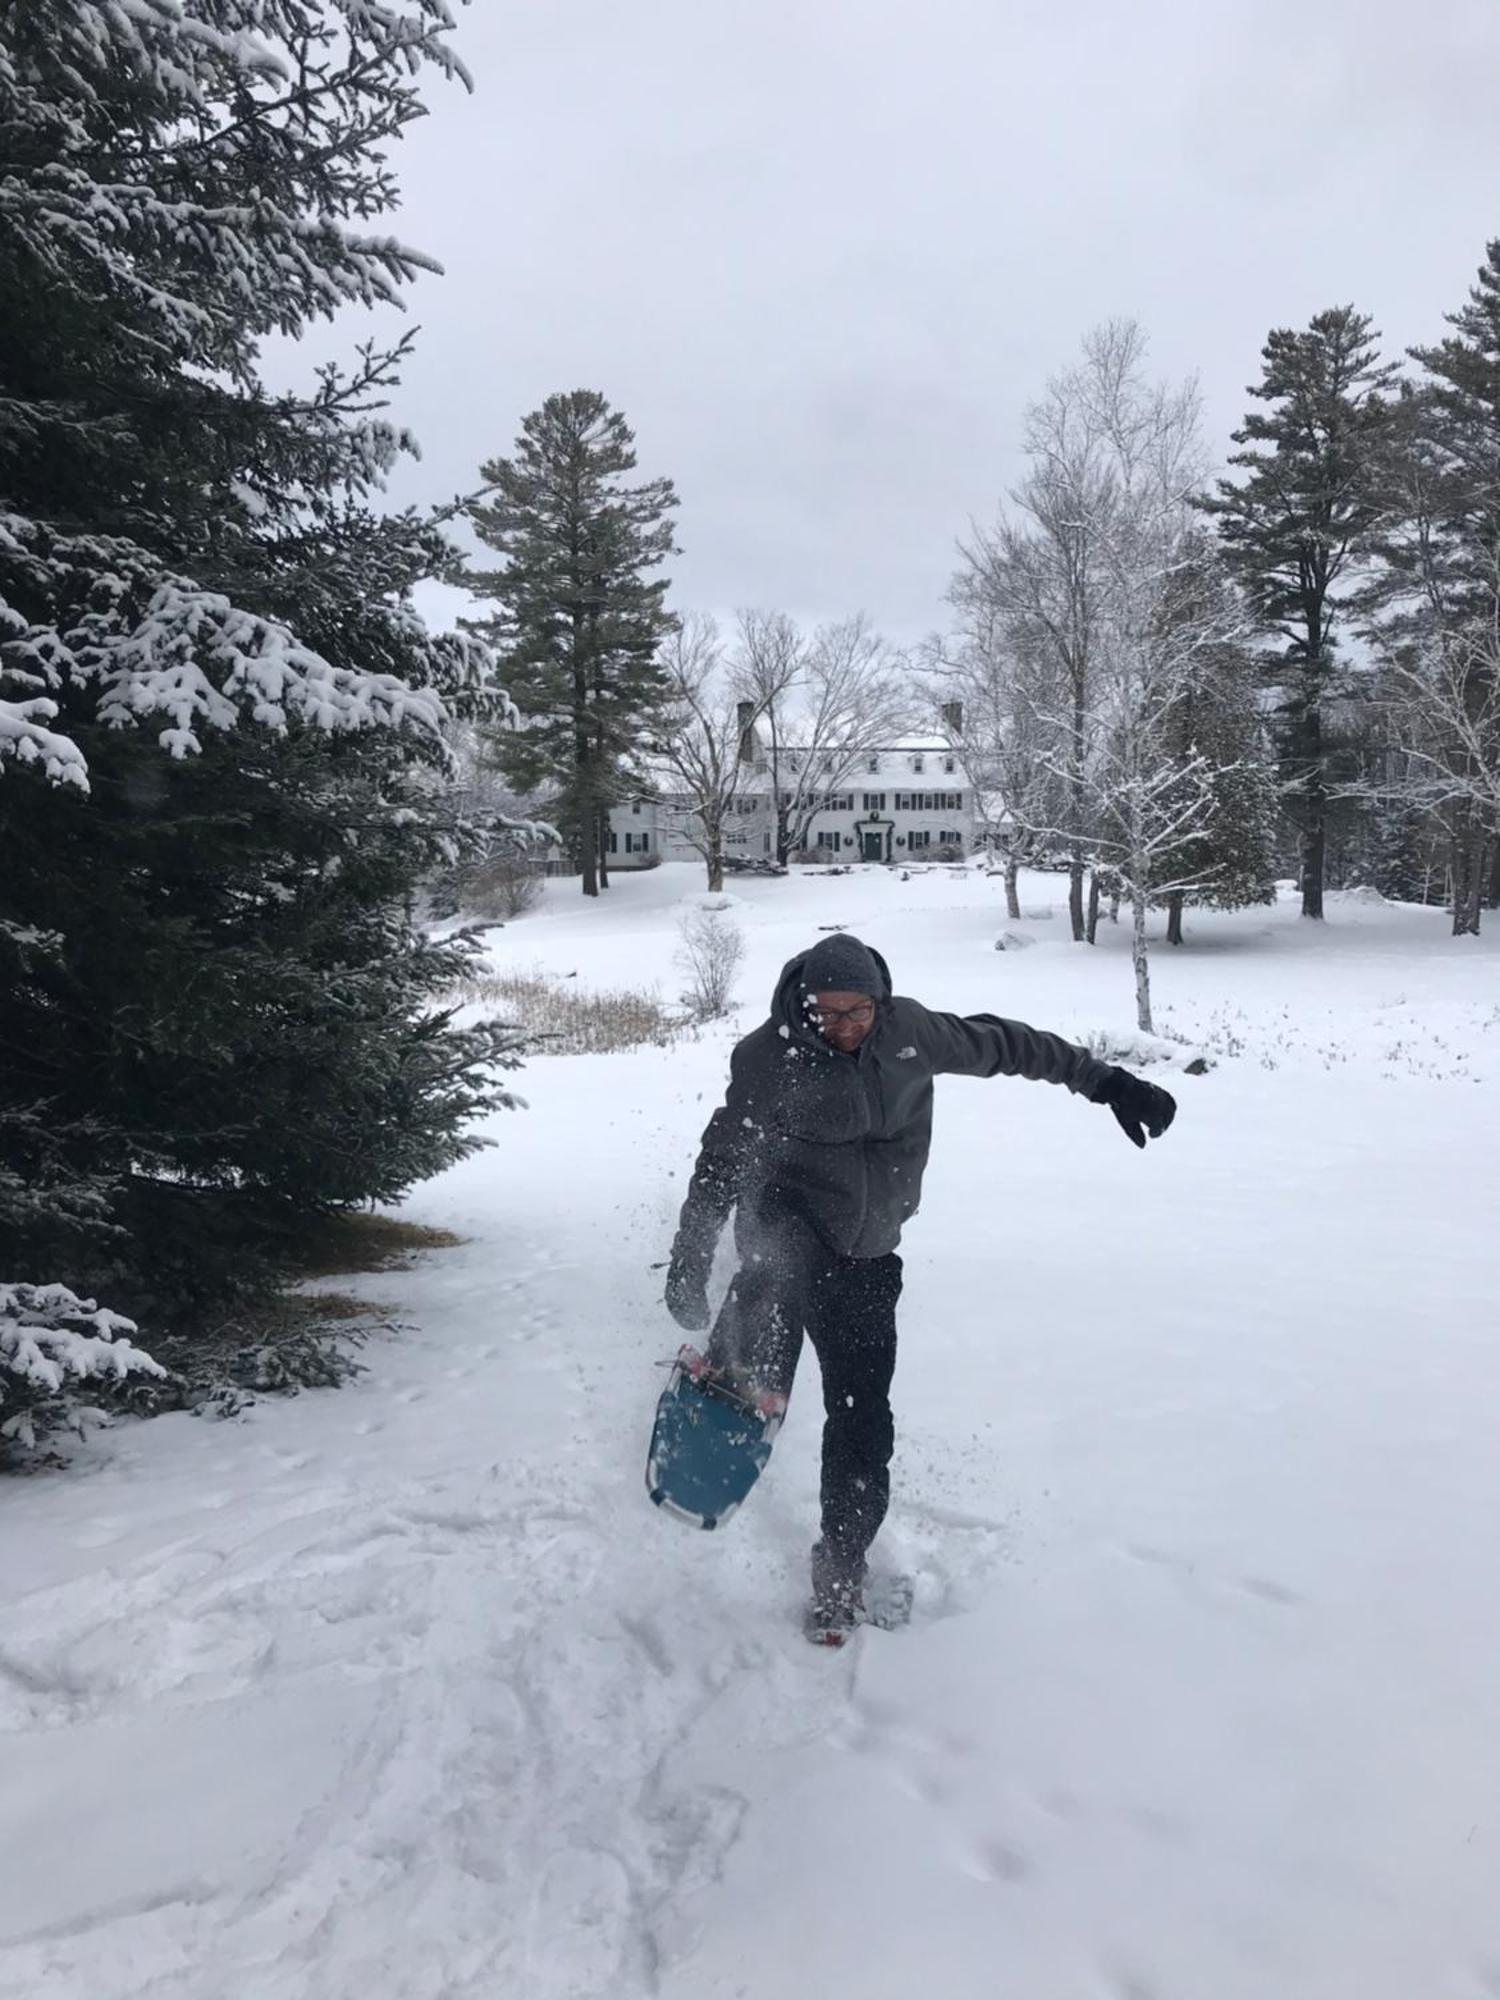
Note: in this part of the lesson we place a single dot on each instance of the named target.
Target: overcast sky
(823, 252)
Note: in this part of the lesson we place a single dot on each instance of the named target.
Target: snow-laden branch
(152, 646)
(25, 739)
(49, 1339)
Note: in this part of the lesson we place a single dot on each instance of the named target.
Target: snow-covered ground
(405, 1693)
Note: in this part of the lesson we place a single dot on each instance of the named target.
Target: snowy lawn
(405, 1693)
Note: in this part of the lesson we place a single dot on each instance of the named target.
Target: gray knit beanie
(841, 964)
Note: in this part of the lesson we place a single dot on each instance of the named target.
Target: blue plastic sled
(709, 1445)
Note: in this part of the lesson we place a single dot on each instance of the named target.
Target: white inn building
(910, 802)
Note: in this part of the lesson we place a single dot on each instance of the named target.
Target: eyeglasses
(857, 1017)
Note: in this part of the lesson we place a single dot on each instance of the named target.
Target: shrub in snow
(50, 1341)
(710, 952)
(505, 884)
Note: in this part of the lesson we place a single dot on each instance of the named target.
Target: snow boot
(838, 1605)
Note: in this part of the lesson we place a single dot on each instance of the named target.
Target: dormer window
(916, 763)
(872, 764)
(949, 764)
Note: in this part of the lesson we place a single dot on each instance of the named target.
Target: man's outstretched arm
(987, 1045)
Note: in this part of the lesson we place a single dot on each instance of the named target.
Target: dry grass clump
(354, 1240)
(564, 1019)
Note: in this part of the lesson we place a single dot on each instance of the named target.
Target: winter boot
(837, 1605)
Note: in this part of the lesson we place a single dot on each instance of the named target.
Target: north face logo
(905, 1055)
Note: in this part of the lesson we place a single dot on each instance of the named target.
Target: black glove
(687, 1296)
(1136, 1103)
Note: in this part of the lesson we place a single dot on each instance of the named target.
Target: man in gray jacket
(819, 1149)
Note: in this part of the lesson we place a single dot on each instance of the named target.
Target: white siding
(917, 786)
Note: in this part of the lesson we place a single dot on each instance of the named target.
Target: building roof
(895, 767)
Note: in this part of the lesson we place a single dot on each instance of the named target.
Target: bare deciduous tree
(989, 704)
(705, 729)
(1039, 568)
(1446, 698)
(1111, 604)
(826, 704)
(710, 953)
(1435, 602)
(1162, 610)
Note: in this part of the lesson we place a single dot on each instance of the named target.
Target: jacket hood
(787, 1009)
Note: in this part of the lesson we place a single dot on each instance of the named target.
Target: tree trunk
(1141, 962)
(715, 861)
(1078, 673)
(590, 862)
(1470, 866)
(588, 815)
(1114, 904)
(1315, 809)
(1174, 917)
(1075, 898)
(602, 836)
(1093, 916)
(1494, 891)
(1012, 889)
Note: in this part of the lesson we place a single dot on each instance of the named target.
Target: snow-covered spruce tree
(580, 620)
(1295, 528)
(1227, 859)
(222, 719)
(1437, 588)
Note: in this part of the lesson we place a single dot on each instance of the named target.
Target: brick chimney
(745, 712)
(953, 718)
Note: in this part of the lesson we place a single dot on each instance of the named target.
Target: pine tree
(1397, 863)
(580, 623)
(1227, 861)
(1295, 527)
(1437, 593)
(222, 718)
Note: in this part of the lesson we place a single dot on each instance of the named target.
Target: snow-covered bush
(50, 1341)
(710, 953)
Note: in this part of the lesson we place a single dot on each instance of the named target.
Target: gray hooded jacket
(841, 1141)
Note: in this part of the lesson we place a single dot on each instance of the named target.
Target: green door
(874, 849)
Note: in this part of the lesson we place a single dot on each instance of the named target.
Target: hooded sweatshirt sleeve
(729, 1142)
(987, 1045)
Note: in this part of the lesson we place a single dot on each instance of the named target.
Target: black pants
(789, 1283)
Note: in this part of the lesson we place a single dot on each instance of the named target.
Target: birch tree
(1040, 568)
(1111, 600)
(1001, 735)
